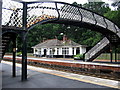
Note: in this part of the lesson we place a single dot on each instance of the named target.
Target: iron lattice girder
(50, 11)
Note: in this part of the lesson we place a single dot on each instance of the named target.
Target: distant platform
(64, 60)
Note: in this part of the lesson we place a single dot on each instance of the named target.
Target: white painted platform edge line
(74, 78)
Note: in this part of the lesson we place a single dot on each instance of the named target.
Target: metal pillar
(115, 54)
(0, 29)
(24, 58)
(24, 46)
(14, 56)
(111, 53)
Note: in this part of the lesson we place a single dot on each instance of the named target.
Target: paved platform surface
(46, 78)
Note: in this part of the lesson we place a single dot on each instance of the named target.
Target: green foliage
(107, 56)
(114, 16)
(19, 53)
(40, 33)
(98, 7)
(75, 3)
(79, 56)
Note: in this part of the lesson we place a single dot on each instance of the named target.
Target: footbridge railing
(46, 11)
(97, 49)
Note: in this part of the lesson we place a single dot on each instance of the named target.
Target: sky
(78, 1)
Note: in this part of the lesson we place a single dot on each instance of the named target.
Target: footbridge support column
(111, 53)
(115, 54)
(14, 56)
(24, 46)
(24, 57)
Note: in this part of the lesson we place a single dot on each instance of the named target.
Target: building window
(78, 50)
(35, 50)
(57, 51)
(73, 51)
(65, 51)
(40, 51)
(50, 51)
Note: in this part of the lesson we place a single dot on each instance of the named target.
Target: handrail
(56, 2)
(97, 48)
(62, 11)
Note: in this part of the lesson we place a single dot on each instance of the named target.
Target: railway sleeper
(116, 74)
(105, 71)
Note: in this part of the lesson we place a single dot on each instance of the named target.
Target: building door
(78, 50)
(45, 52)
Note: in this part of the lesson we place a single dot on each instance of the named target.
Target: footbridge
(18, 17)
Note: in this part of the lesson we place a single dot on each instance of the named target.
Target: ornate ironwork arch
(34, 13)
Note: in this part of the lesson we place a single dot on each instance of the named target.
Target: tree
(75, 3)
(98, 7)
(114, 16)
(40, 33)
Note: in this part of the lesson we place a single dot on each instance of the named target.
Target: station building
(57, 48)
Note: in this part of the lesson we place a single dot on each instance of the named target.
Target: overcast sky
(78, 1)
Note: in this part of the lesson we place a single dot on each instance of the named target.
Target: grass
(29, 54)
(106, 56)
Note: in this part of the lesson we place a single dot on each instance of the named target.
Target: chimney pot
(65, 38)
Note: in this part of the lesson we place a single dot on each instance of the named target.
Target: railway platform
(47, 78)
(103, 70)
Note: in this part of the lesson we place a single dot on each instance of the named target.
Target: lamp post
(62, 34)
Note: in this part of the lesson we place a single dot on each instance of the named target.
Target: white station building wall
(58, 51)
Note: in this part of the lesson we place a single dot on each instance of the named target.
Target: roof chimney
(43, 40)
(65, 38)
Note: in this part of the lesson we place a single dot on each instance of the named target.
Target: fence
(106, 56)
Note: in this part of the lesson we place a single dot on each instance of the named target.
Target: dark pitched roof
(49, 43)
(70, 43)
(55, 42)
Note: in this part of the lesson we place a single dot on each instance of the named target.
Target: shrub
(19, 54)
(79, 56)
